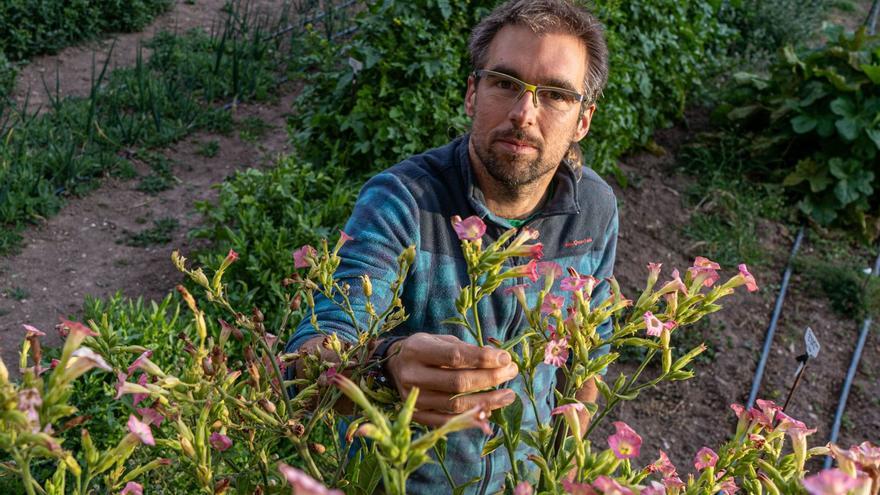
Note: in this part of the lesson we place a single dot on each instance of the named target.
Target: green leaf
(493, 444)
(513, 414)
(741, 113)
(844, 107)
(811, 171)
(874, 134)
(872, 71)
(803, 124)
(848, 128)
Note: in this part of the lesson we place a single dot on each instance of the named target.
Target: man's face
(516, 142)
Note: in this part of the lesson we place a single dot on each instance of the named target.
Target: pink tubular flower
(549, 269)
(705, 457)
(728, 486)
(137, 398)
(675, 285)
(76, 332)
(705, 270)
(831, 482)
(573, 488)
(132, 488)
(302, 483)
(220, 442)
(302, 255)
(653, 326)
(83, 360)
(656, 488)
(571, 412)
(141, 430)
(528, 270)
(518, 290)
(552, 304)
(673, 482)
(124, 387)
(663, 465)
(469, 229)
(231, 257)
(610, 486)
(33, 331)
(751, 285)
(151, 416)
(534, 251)
(625, 443)
(523, 488)
(143, 363)
(556, 352)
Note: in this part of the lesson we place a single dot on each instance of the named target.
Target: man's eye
(504, 84)
(557, 96)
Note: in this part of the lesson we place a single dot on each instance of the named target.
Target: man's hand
(443, 366)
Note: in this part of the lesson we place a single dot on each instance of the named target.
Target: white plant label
(812, 343)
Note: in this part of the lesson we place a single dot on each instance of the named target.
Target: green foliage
(814, 126)
(7, 76)
(152, 104)
(159, 233)
(763, 26)
(662, 52)
(34, 27)
(265, 216)
(399, 93)
(728, 206)
(209, 149)
(161, 178)
(395, 88)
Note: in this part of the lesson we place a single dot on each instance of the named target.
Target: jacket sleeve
(384, 222)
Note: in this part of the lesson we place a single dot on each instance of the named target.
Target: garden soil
(81, 252)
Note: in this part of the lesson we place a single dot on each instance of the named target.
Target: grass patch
(253, 129)
(208, 149)
(64, 152)
(18, 293)
(160, 179)
(832, 271)
(727, 206)
(160, 233)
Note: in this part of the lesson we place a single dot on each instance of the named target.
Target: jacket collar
(565, 194)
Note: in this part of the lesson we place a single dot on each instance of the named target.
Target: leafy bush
(7, 77)
(265, 216)
(34, 27)
(662, 52)
(763, 26)
(396, 87)
(813, 125)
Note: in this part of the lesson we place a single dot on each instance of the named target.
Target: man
(538, 67)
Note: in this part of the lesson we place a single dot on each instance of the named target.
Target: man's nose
(524, 111)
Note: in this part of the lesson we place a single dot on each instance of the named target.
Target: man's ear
(584, 121)
(470, 97)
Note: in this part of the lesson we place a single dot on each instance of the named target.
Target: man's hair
(546, 17)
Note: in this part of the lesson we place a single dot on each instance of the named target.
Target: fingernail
(503, 358)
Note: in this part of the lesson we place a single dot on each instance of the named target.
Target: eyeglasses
(504, 88)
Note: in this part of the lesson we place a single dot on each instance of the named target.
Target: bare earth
(78, 253)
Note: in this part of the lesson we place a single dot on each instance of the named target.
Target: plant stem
(303, 451)
(474, 304)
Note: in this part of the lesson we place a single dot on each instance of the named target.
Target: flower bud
(258, 315)
(367, 285)
(408, 256)
(267, 406)
(187, 447)
(296, 303)
(317, 448)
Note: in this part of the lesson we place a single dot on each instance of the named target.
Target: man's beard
(515, 171)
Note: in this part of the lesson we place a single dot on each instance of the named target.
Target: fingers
(441, 401)
(433, 419)
(449, 352)
(455, 381)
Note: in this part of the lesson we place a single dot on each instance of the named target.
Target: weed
(18, 293)
(4, 311)
(253, 129)
(209, 149)
(852, 293)
(160, 233)
(161, 178)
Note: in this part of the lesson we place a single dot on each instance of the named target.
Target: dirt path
(73, 65)
(82, 251)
